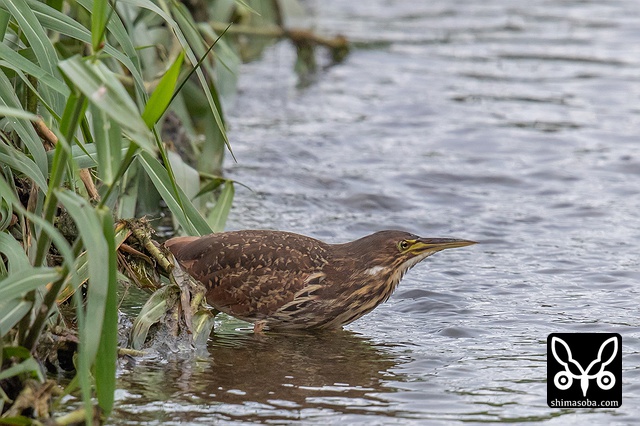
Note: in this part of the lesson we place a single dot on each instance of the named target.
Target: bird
(281, 280)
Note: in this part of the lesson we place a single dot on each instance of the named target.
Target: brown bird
(283, 280)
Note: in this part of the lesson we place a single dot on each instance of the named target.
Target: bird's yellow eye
(403, 245)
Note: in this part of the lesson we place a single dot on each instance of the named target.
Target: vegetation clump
(109, 110)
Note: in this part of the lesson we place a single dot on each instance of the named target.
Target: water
(508, 122)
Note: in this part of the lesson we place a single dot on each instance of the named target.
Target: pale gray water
(513, 123)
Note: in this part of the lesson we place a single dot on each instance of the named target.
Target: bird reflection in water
(277, 376)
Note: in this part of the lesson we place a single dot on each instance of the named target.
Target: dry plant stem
(130, 250)
(182, 280)
(50, 141)
(142, 235)
(133, 275)
(76, 417)
(129, 352)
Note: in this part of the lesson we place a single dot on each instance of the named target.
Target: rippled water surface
(513, 123)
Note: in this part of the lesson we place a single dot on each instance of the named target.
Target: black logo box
(584, 370)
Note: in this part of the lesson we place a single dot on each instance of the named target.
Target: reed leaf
(17, 285)
(104, 90)
(90, 231)
(218, 215)
(37, 38)
(18, 161)
(14, 253)
(105, 365)
(22, 127)
(182, 209)
(29, 365)
(163, 94)
(151, 312)
(98, 23)
(11, 313)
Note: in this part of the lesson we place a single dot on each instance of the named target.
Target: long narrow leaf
(17, 160)
(37, 37)
(181, 14)
(90, 230)
(218, 215)
(189, 218)
(17, 113)
(105, 371)
(23, 128)
(102, 88)
(146, 4)
(17, 285)
(54, 20)
(106, 147)
(163, 94)
(29, 365)
(19, 62)
(98, 22)
(124, 40)
(11, 312)
(4, 23)
(15, 254)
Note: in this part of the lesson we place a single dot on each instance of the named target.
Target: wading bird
(282, 280)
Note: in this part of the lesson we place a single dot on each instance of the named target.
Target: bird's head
(398, 251)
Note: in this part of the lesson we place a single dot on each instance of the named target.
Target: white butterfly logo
(564, 379)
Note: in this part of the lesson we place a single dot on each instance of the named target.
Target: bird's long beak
(437, 244)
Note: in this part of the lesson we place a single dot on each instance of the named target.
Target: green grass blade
(73, 112)
(146, 4)
(17, 285)
(163, 94)
(4, 23)
(249, 8)
(37, 38)
(123, 39)
(107, 143)
(23, 128)
(218, 215)
(12, 311)
(17, 113)
(17, 160)
(90, 319)
(187, 23)
(212, 185)
(34, 33)
(98, 23)
(189, 218)
(29, 365)
(17, 61)
(14, 253)
(91, 231)
(104, 90)
(54, 20)
(105, 371)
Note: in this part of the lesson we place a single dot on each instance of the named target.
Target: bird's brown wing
(256, 295)
(251, 274)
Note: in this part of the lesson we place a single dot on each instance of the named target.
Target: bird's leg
(258, 326)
